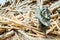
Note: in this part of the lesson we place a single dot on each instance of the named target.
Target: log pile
(18, 20)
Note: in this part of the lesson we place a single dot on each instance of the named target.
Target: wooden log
(2, 30)
(6, 35)
(54, 6)
(54, 15)
(55, 33)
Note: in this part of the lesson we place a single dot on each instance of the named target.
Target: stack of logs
(18, 21)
